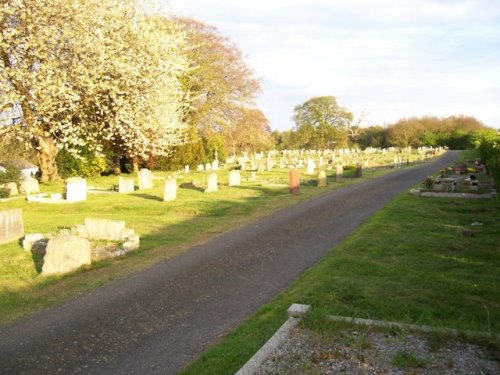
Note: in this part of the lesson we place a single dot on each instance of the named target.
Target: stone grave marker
(311, 165)
(322, 179)
(200, 168)
(12, 186)
(145, 179)
(186, 169)
(102, 229)
(294, 181)
(234, 178)
(359, 170)
(125, 185)
(339, 173)
(11, 225)
(208, 167)
(66, 253)
(170, 190)
(30, 186)
(215, 165)
(212, 183)
(76, 189)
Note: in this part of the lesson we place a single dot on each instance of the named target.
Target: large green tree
(321, 123)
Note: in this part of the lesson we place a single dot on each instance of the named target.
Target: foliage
(220, 84)
(91, 73)
(11, 174)
(373, 136)
(86, 165)
(4, 192)
(251, 132)
(321, 123)
(488, 146)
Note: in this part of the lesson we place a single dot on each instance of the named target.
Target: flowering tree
(93, 73)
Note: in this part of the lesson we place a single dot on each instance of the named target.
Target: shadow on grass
(149, 197)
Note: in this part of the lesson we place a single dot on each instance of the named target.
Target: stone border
(295, 312)
(419, 193)
(410, 327)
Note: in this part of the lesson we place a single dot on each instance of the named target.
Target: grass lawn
(405, 264)
(165, 228)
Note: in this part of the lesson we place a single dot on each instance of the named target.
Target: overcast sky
(382, 59)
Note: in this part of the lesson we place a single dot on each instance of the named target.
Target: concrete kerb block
(276, 340)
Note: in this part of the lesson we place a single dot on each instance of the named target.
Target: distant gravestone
(66, 253)
(212, 183)
(311, 165)
(102, 229)
(125, 185)
(30, 186)
(396, 164)
(234, 178)
(200, 168)
(76, 189)
(215, 165)
(11, 225)
(12, 186)
(145, 179)
(269, 163)
(294, 181)
(359, 170)
(186, 169)
(339, 173)
(208, 166)
(322, 179)
(170, 190)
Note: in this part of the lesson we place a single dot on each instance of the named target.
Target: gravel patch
(375, 352)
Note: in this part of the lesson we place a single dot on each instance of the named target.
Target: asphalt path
(158, 320)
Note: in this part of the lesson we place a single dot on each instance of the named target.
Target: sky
(382, 59)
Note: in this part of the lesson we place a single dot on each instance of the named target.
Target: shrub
(69, 166)
(10, 175)
(4, 192)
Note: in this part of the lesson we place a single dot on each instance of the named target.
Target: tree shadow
(38, 262)
(150, 197)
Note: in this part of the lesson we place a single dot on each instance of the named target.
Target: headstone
(215, 165)
(322, 179)
(253, 176)
(170, 190)
(11, 225)
(311, 165)
(234, 178)
(145, 179)
(294, 181)
(66, 253)
(269, 163)
(12, 186)
(200, 168)
(339, 173)
(395, 161)
(212, 183)
(359, 170)
(30, 186)
(208, 167)
(102, 229)
(186, 169)
(125, 185)
(76, 189)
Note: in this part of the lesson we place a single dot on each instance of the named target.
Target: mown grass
(405, 264)
(166, 228)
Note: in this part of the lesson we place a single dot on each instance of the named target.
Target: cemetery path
(159, 319)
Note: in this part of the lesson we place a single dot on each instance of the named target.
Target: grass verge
(406, 264)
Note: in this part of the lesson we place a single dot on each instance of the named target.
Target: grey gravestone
(322, 179)
(339, 173)
(145, 179)
(170, 190)
(66, 253)
(76, 189)
(102, 229)
(11, 225)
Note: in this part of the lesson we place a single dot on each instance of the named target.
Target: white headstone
(145, 179)
(125, 185)
(170, 190)
(208, 167)
(200, 168)
(234, 178)
(11, 225)
(30, 186)
(215, 165)
(212, 183)
(76, 189)
(186, 169)
(102, 229)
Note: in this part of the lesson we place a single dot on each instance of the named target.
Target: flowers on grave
(428, 182)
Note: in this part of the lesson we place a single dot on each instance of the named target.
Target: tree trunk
(116, 167)
(46, 154)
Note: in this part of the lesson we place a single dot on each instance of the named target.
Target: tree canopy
(321, 123)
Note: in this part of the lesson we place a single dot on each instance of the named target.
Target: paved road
(158, 320)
